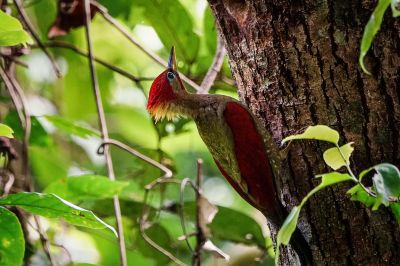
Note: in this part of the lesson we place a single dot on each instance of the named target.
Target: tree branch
(200, 238)
(215, 67)
(103, 11)
(35, 36)
(69, 46)
(104, 134)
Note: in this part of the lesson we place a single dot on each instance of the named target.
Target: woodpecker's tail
(301, 247)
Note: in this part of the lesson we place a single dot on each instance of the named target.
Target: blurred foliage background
(58, 152)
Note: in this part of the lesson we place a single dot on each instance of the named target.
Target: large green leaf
(48, 164)
(52, 206)
(232, 225)
(371, 29)
(318, 132)
(359, 194)
(174, 26)
(38, 135)
(12, 243)
(210, 32)
(6, 131)
(235, 226)
(72, 128)
(11, 31)
(333, 156)
(82, 187)
(387, 182)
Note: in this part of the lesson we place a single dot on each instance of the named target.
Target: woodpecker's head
(164, 92)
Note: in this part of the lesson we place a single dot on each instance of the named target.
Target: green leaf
(72, 128)
(318, 132)
(371, 29)
(174, 26)
(287, 230)
(210, 33)
(395, 5)
(84, 187)
(12, 243)
(39, 136)
(6, 131)
(235, 226)
(11, 31)
(290, 223)
(387, 182)
(358, 194)
(333, 157)
(396, 210)
(52, 206)
(332, 178)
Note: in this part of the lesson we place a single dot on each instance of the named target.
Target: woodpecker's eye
(170, 76)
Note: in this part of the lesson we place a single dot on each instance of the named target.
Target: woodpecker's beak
(172, 59)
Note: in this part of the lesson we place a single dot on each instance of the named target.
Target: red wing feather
(251, 157)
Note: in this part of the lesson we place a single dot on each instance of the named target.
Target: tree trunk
(296, 64)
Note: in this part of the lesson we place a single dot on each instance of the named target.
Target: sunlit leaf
(72, 128)
(52, 206)
(333, 157)
(82, 187)
(11, 31)
(371, 29)
(332, 178)
(6, 131)
(318, 132)
(12, 243)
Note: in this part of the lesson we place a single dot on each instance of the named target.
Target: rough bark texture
(296, 64)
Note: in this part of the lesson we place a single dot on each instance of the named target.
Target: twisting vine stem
(104, 134)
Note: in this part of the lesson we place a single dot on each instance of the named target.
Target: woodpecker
(232, 135)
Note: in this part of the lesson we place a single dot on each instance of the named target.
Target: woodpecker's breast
(218, 138)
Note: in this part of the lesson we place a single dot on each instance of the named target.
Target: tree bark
(296, 64)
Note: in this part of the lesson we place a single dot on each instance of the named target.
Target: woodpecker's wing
(251, 156)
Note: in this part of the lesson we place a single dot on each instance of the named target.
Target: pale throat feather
(185, 104)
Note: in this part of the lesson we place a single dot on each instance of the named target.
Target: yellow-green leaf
(6, 131)
(333, 156)
(318, 132)
(11, 31)
(371, 29)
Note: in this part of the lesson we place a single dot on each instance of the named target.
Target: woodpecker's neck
(190, 105)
